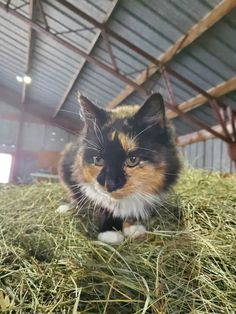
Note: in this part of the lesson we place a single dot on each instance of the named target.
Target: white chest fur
(137, 205)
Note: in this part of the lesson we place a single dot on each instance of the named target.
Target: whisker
(171, 174)
(143, 148)
(153, 202)
(147, 128)
(96, 128)
(91, 143)
(74, 113)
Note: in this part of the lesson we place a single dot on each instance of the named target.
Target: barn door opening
(5, 167)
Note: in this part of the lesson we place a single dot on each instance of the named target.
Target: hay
(48, 264)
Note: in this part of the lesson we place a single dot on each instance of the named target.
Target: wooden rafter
(200, 135)
(223, 8)
(81, 65)
(217, 91)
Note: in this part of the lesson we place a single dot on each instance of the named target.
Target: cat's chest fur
(134, 205)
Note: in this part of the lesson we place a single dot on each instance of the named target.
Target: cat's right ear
(92, 112)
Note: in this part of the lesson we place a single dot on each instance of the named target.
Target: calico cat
(124, 162)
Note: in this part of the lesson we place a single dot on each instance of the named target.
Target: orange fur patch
(124, 111)
(147, 179)
(127, 142)
(90, 172)
(83, 171)
(128, 222)
(77, 169)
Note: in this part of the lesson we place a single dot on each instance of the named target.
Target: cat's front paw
(111, 237)
(134, 231)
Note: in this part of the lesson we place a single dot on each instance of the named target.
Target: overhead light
(53, 133)
(27, 79)
(62, 139)
(19, 78)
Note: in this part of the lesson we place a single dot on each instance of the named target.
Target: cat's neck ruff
(137, 205)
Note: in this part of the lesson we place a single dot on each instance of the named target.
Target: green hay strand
(51, 263)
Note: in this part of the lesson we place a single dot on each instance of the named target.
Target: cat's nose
(110, 181)
(114, 184)
(111, 185)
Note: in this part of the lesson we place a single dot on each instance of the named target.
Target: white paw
(134, 231)
(111, 237)
(63, 209)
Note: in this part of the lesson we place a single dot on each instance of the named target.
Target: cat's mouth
(103, 192)
(99, 195)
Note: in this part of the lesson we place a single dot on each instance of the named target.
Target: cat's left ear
(152, 111)
(91, 111)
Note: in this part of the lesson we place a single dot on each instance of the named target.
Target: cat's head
(128, 149)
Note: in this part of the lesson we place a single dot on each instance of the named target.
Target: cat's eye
(132, 161)
(98, 161)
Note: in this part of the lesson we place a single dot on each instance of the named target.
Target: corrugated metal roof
(53, 65)
(13, 37)
(149, 24)
(208, 61)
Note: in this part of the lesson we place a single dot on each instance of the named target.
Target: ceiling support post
(18, 156)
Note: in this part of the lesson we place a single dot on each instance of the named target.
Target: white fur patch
(134, 231)
(111, 237)
(63, 209)
(136, 205)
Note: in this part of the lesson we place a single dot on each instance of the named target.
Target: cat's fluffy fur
(123, 162)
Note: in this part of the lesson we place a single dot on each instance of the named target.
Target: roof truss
(216, 91)
(199, 136)
(223, 8)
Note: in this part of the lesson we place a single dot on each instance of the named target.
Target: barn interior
(117, 52)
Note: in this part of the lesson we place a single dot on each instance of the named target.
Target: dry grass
(49, 264)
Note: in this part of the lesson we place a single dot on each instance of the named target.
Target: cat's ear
(152, 111)
(92, 112)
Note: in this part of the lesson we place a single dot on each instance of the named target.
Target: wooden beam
(217, 91)
(223, 8)
(12, 99)
(16, 116)
(200, 135)
(82, 64)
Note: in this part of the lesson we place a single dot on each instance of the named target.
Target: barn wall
(42, 142)
(210, 154)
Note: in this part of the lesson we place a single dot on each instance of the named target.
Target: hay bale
(51, 263)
